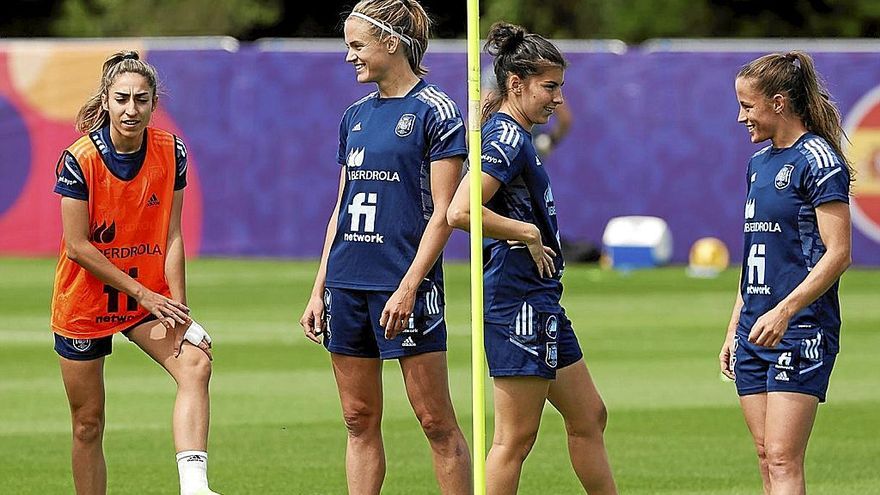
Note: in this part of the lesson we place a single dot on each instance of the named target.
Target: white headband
(383, 26)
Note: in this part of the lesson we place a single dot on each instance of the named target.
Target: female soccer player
(378, 293)
(531, 347)
(121, 269)
(782, 339)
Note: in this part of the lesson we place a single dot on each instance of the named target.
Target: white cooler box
(637, 242)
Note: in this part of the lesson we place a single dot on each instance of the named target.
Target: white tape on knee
(196, 333)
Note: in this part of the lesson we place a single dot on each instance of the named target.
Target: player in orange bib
(121, 269)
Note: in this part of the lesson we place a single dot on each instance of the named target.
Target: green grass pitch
(651, 340)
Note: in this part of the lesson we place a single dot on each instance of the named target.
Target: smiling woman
(782, 337)
(378, 293)
(531, 348)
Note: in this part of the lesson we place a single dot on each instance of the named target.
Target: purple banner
(653, 134)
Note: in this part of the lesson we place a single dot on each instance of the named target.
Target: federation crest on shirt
(783, 178)
(405, 125)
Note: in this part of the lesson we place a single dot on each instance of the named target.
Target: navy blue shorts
(532, 344)
(90, 349)
(351, 324)
(800, 363)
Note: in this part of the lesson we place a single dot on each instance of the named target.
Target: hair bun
(504, 38)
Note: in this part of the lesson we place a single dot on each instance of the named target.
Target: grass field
(651, 340)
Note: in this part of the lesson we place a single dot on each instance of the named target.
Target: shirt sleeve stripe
(828, 176)
(495, 145)
(436, 102)
(443, 100)
(450, 131)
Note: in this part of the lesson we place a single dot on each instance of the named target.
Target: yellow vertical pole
(478, 369)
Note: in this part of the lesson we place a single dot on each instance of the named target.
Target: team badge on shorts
(405, 125)
(328, 299)
(552, 327)
(783, 178)
(551, 358)
(82, 345)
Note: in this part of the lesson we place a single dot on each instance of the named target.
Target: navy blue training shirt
(386, 146)
(781, 236)
(510, 274)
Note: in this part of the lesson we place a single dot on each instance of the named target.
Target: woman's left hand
(770, 328)
(397, 311)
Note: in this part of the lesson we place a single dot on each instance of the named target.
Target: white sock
(192, 466)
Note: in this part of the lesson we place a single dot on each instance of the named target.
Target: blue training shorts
(351, 324)
(90, 349)
(532, 344)
(799, 363)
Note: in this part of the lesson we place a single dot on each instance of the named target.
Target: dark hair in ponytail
(519, 52)
(794, 75)
(92, 115)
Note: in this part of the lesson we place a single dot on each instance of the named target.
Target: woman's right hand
(541, 254)
(313, 318)
(167, 310)
(725, 358)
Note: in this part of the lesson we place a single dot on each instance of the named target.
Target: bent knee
(519, 446)
(588, 425)
(361, 420)
(195, 366)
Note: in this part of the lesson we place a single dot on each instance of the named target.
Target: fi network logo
(756, 263)
(363, 207)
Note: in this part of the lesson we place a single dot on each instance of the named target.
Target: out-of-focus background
(256, 89)
(654, 127)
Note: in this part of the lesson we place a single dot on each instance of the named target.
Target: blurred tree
(324, 19)
(96, 18)
(630, 20)
(637, 20)
(21, 18)
(799, 18)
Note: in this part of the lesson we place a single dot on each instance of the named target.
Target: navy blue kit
(386, 146)
(781, 246)
(527, 332)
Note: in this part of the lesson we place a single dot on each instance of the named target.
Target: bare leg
(427, 386)
(84, 383)
(519, 402)
(755, 411)
(192, 372)
(574, 395)
(790, 418)
(359, 381)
